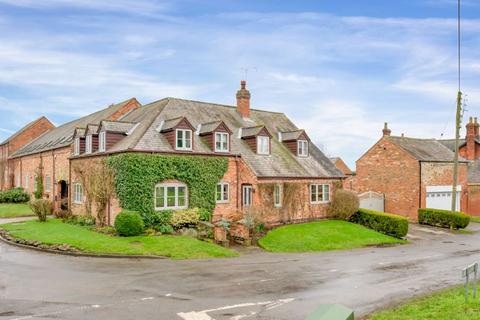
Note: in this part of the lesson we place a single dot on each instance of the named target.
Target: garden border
(79, 254)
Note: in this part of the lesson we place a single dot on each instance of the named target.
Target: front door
(247, 195)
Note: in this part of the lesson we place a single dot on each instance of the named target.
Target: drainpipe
(238, 181)
(69, 189)
(420, 187)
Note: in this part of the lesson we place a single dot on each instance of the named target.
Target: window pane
(179, 139)
(218, 141)
(170, 196)
(326, 191)
(218, 192)
(225, 192)
(188, 139)
(320, 193)
(160, 200)
(181, 196)
(313, 193)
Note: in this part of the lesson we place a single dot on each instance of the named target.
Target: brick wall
(388, 169)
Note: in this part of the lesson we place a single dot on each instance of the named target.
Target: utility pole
(458, 120)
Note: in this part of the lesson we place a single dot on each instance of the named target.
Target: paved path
(256, 285)
(19, 219)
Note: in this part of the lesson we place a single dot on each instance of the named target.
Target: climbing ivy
(137, 174)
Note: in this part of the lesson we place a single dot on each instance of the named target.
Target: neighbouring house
(49, 154)
(17, 140)
(271, 165)
(413, 173)
(349, 181)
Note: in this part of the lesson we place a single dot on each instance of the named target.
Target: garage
(440, 197)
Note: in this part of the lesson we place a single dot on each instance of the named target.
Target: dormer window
(183, 138)
(88, 144)
(102, 141)
(302, 148)
(222, 142)
(76, 147)
(263, 145)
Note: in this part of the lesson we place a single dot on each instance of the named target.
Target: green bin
(331, 312)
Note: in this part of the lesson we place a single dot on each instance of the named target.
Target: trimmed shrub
(187, 218)
(159, 218)
(344, 204)
(14, 195)
(129, 223)
(387, 223)
(164, 228)
(443, 218)
(42, 208)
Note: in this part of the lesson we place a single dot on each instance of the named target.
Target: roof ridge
(25, 127)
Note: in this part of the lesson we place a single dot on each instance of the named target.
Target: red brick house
(52, 150)
(263, 148)
(413, 173)
(19, 139)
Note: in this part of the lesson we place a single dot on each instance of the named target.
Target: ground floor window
(247, 193)
(319, 193)
(27, 182)
(77, 193)
(277, 195)
(222, 192)
(171, 196)
(48, 183)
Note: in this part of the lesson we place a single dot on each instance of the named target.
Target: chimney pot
(386, 131)
(243, 100)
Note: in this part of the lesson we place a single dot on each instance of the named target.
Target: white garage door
(440, 197)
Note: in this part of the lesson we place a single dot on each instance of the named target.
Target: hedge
(137, 174)
(387, 223)
(14, 195)
(443, 218)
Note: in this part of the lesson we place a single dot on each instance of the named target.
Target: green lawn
(475, 219)
(322, 236)
(13, 210)
(445, 305)
(56, 232)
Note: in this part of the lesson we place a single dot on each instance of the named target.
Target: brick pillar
(470, 139)
(243, 100)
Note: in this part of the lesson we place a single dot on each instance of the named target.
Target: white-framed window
(222, 194)
(183, 138)
(277, 196)
(102, 141)
(88, 144)
(263, 145)
(27, 182)
(77, 193)
(221, 141)
(247, 195)
(171, 196)
(18, 181)
(48, 183)
(35, 177)
(76, 146)
(302, 148)
(319, 193)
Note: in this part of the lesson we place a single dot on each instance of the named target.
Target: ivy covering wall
(137, 174)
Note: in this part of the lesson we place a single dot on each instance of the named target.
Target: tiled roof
(424, 149)
(92, 128)
(79, 132)
(23, 129)
(171, 123)
(116, 126)
(209, 126)
(281, 162)
(251, 131)
(62, 136)
(291, 135)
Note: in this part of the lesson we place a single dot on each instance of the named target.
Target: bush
(205, 214)
(80, 220)
(14, 195)
(443, 218)
(41, 208)
(344, 204)
(185, 218)
(129, 223)
(387, 223)
(164, 228)
(157, 218)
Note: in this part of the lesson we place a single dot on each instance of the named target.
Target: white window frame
(76, 146)
(77, 193)
(224, 192)
(27, 182)
(302, 148)
(319, 189)
(35, 183)
(277, 195)
(102, 141)
(260, 144)
(165, 197)
(184, 140)
(18, 182)
(223, 138)
(48, 183)
(88, 144)
(247, 195)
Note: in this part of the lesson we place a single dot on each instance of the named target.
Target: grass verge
(475, 219)
(444, 305)
(54, 231)
(322, 236)
(14, 210)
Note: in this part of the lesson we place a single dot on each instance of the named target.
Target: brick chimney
(472, 131)
(477, 126)
(386, 131)
(243, 100)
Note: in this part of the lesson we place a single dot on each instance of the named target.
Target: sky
(338, 69)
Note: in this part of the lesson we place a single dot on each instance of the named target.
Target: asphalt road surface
(257, 285)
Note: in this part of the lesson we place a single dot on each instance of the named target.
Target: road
(257, 285)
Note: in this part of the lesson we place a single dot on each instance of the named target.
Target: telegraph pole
(458, 119)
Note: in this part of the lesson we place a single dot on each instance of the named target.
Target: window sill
(170, 208)
(222, 202)
(320, 202)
